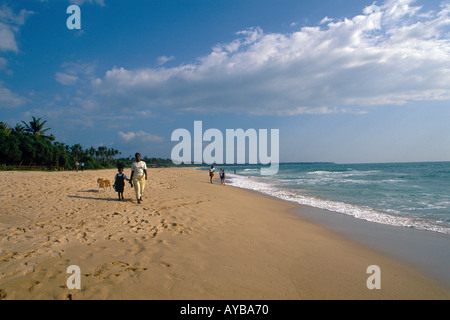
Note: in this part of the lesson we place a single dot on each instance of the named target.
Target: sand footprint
(119, 263)
(34, 285)
(7, 257)
(116, 269)
(163, 263)
(135, 269)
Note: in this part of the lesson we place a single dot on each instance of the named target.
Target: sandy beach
(188, 239)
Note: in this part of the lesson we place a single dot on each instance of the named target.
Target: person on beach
(222, 176)
(211, 174)
(138, 176)
(82, 166)
(76, 165)
(119, 182)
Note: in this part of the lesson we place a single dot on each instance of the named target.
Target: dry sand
(187, 240)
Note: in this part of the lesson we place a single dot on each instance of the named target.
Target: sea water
(413, 195)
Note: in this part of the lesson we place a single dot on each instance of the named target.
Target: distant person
(222, 176)
(76, 165)
(138, 176)
(119, 182)
(211, 174)
(82, 166)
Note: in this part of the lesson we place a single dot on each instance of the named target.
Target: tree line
(29, 145)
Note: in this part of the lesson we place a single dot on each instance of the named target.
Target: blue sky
(343, 80)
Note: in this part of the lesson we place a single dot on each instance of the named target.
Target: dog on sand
(102, 183)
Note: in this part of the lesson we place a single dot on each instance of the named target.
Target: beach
(188, 239)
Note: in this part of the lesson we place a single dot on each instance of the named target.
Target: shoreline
(429, 251)
(189, 240)
(425, 250)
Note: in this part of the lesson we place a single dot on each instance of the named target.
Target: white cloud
(390, 54)
(141, 136)
(10, 24)
(8, 38)
(9, 27)
(73, 72)
(163, 60)
(66, 79)
(9, 99)
(8, 16)
(80, 2)
(325, 20)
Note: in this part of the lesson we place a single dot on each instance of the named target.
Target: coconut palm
(36, 127)
(4, 128)
(19, 128)
(77, 151)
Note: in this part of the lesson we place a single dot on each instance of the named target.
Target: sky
(346, 81)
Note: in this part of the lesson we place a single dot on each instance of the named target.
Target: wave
(348, 172)
(360, 212)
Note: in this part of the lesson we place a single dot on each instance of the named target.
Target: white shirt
(138, 168)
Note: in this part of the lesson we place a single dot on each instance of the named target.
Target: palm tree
(91, 151)
(111, 152)
(36, 127)
(101, 152)
(4, 128)
(77, 151)
(19, 128)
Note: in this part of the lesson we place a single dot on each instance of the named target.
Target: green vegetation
(29, 147)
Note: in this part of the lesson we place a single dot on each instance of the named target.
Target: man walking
(138, 176)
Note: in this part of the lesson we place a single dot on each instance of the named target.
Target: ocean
(412, 195)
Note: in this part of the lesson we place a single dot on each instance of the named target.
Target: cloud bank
(10, 23)
(9, 99)
(391, 53)
(140, 136)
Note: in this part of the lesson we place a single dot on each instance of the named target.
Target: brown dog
(103, 184)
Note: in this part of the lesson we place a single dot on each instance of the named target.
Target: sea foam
(269, 186)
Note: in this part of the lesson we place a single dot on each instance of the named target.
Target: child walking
(222, 176)
(211, 174)
(119, 182)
